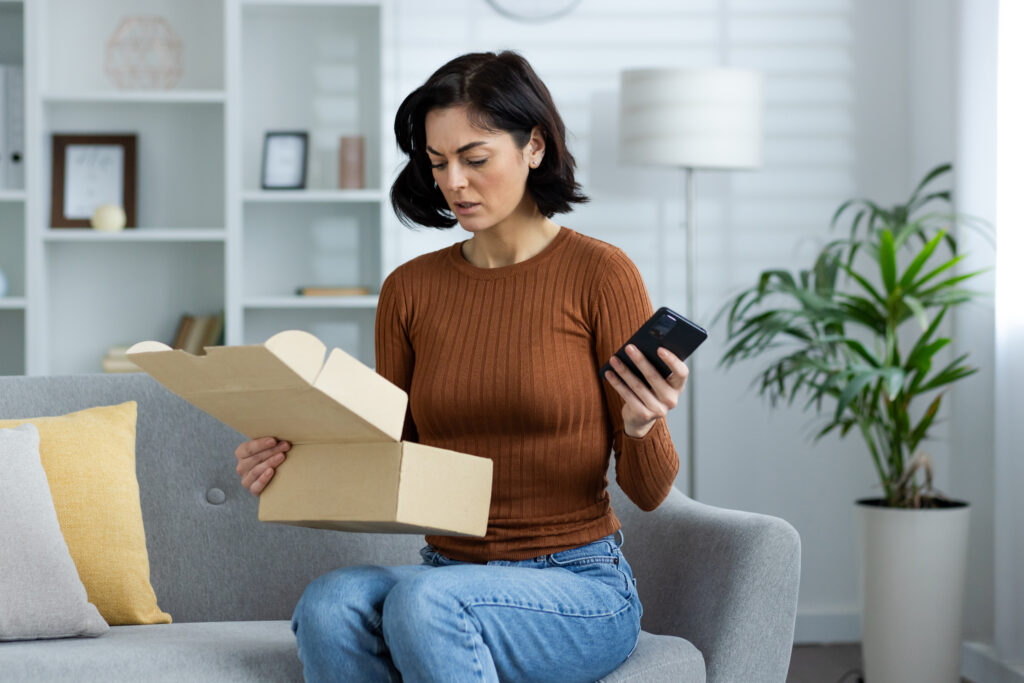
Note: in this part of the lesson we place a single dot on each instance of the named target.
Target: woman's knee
(421, 603)
(343, 594)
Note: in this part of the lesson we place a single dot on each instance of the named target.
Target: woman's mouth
(465, 207)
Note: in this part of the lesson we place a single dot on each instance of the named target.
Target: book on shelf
(321, 290)
(195, 332)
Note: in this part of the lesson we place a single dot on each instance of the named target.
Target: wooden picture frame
(89, 170)
(284, 160)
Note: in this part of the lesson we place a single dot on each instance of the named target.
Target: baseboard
(980, 663)
(827, 627)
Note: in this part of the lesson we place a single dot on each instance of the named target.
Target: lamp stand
(691, 280)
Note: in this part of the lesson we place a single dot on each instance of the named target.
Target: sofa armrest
(725, 580)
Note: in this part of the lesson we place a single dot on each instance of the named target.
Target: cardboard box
(348, 468)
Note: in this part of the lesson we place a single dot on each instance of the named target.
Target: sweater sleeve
(392, 347)
(645, 468)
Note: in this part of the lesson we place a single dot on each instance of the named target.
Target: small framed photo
(284, 160)
(90, 170)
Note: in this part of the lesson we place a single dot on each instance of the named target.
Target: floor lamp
(692, 119)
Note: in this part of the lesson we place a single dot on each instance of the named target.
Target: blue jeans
(567, 616)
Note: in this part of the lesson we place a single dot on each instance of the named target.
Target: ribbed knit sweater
(503, 363)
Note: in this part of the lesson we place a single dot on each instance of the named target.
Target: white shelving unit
(13, 256)
(208, 238)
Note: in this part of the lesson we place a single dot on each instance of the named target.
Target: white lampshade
(697, 118)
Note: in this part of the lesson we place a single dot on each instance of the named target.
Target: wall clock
(534, 10)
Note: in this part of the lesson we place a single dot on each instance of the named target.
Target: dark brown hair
(501, 93)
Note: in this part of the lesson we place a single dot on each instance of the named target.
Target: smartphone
(665, 328)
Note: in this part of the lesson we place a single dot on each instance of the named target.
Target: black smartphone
(665, 328)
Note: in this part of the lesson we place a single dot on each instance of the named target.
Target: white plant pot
(913, 571)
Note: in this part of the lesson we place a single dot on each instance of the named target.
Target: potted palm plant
(858, 336)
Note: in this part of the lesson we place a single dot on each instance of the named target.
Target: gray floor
(827, 664)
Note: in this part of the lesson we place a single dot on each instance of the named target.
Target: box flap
(276, 389)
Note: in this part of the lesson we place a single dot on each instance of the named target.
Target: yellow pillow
(89, 458)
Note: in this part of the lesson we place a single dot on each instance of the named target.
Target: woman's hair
(501, 92)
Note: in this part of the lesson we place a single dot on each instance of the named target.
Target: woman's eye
(476, 162)
(438, 166)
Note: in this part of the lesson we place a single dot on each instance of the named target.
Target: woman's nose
(456, 178)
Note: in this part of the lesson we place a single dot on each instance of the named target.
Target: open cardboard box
(348, 468)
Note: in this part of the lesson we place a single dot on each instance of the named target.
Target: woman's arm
(646, 463)
(392, 347)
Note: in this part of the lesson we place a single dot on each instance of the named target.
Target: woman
(498, 339)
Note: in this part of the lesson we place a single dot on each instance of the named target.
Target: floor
(827, 664)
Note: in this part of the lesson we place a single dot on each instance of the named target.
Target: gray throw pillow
(41, 595)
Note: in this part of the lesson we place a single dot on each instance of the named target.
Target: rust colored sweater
(503, 363)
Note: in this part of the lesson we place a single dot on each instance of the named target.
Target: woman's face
(482, 174)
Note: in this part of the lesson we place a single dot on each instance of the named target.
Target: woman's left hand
(644, 406)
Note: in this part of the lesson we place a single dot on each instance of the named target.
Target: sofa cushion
(255, 651)
(89, 458)
(203, 651)
(41, 595)
(658, 659)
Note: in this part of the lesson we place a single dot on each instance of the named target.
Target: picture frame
(89, 170)
(284, 160)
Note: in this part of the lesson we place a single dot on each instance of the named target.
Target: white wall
(859, 102)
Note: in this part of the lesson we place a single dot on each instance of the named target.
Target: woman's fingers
(680, 372)
(655, 381)
(257, 461)
(263, 478)
(258, 476)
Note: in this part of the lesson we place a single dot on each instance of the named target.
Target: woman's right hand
(257, 461)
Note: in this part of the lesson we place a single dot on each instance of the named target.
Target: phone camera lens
(662, 327)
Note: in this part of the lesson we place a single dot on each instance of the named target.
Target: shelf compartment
(351, 331)
(82, 29)
(317, 68)
(287, 246)
(110, 293)
(180, 167)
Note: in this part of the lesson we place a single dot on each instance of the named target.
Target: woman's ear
(536, 147)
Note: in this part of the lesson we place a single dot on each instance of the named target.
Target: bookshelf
(13, 199)
(208, 239)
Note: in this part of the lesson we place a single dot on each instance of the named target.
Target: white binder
(4, 172)
(12, 127)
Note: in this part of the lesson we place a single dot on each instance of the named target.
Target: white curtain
(1009, 353)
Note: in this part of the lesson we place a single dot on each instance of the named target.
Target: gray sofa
(719, 587)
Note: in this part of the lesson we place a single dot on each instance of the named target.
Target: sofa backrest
(210, 559)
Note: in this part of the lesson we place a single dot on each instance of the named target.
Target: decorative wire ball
(144, 53)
